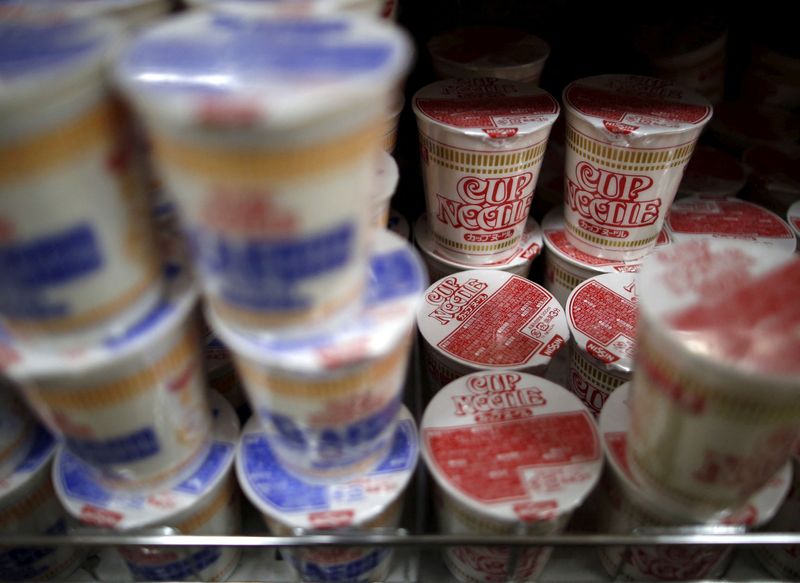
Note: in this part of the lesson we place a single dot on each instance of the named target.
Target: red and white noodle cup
(784, 561)
(509, 453)
(625, 505)
(715, 393)
(628, 141)
(793, 216)
(602, 313)
(482, 142)
(712, 173)
(488, 320)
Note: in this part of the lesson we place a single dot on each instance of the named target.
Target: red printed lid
(492, 319)
(631, 104)
(492, 107)
(727, 302)
(793, 216)
(488, 47)
(712, 172)
(512, 446)
(602, 313)
(615, 421)
(690, 218)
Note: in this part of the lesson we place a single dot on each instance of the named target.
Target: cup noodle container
(715, 394)
(489, 51)
(510, 453)
(783, 562)
(76, 252)
(712, 173)
(384, 185)
(440, 266)
(625, 505)
(628, 141)
(399, 225)
(271, 161)
(330, 399)
(566, 266)
(488, 320)
(695, 218)
(288, 503)
(602, 313)
(793, 216)
(28, 506)
(205, 503)
(133, 405)
(17, 428)
(482, 143)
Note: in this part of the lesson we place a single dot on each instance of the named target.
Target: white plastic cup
(77, 254)
(602, 313)
(488, 320)
(288, 503)
(384, 186)
(270, 160)
(330, 398)
(482, 142)
(715, 398)
(628, 141)
(509, 453)
(712, 173)
(793, 217)
(205, 503)
(17, 428)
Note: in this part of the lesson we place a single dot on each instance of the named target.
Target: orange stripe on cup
(222, 498)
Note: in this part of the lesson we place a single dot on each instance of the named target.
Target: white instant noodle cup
(715, 391)
(384, 185)
(793, 216)
(205, 503)
(509, 453)
(28, 506)
(602, 313)
(399, 225)
(330, 398)
(440, 266)
(628, 141)
(489, 51)
(624, 505)
(76, 249)
(133, 405)
(481, 319)
(694, 218)
(783, 562)
(270, 160)
(17, 428)
(290, 505)
(482, 142)
(566, 266)
(712, 173)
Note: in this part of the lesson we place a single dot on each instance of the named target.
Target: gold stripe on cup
(513, 242)
(603, 380)
(470, 162)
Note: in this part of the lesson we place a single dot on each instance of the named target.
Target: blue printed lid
(397, 279)
(41, 451)
(261, 70)
(80, 490)
(295, 503)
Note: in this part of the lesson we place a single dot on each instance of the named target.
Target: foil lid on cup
(602, 313)
(80, 490)
(40, 453)
(486, 107)
(293, 502)
(492, 320)
(511, 446)
(712, 173)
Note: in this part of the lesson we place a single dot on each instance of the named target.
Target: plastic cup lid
(486, 107)
(712, 172)
(602, 313)
(488, 47)
(511, 446)
(298, 504)
(555, 239)
(793, 215)
(529, 247)
(635, 105)
(493, 320)
(396, 281)
(727, 302)
(41, 452)
(614, 425)
(386, 179)
(690, 218)
(80, 491)
(276, 72)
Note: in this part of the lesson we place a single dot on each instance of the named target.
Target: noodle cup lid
(80, 490)
(555, 239)
(690, 218)
(632, 105)
(41, 451)
(793, 216)
(602, 313)
(488, 47)
(290, 500)
(727, 303)
(492, 320)
(243, 70)
(486, 107)
(395, 284)
(712, 172)
(511, 446)
(386, 177)
(529, 247)
(614, 424)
